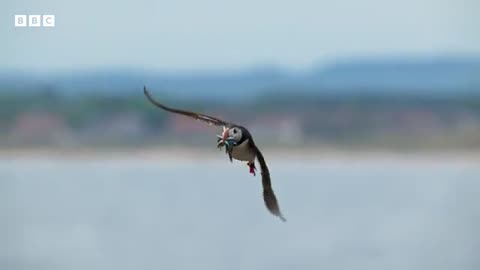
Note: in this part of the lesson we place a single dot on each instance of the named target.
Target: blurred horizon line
(407, 58)
(420, 76)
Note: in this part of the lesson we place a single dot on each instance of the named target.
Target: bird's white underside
(243, 152)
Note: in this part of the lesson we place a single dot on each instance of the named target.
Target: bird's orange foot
(252, 167)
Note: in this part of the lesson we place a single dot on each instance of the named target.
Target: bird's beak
(222, 139)
(225, 134)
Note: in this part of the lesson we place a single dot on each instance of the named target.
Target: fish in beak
(225, 134)
(224, 139)
(228, 142)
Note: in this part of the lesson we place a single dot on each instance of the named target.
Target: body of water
(155, 214)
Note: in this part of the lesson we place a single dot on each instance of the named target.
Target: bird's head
(230, 136)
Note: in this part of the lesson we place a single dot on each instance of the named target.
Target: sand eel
(239, 145)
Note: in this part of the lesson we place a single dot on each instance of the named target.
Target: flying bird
(239, 145)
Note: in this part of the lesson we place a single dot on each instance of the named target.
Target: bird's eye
(234, 131)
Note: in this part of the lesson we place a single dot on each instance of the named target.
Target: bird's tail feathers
(272, 204)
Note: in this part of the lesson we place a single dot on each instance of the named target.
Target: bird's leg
(251, 164)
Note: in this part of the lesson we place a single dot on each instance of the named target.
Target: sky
(213, 35)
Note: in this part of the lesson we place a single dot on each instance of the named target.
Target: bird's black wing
(202, 117)
(268, 194)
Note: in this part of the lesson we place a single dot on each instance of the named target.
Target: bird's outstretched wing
(268, 194)
(202, 117)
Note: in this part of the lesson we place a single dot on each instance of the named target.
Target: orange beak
(225, 134)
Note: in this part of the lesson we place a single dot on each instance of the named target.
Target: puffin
(239, 145)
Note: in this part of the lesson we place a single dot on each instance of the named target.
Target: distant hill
(440, 75)
(452, 76)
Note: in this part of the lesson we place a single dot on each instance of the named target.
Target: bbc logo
(34, 20)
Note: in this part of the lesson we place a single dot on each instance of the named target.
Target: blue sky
(205, 35)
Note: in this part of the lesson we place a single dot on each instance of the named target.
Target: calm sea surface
(154, 214)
